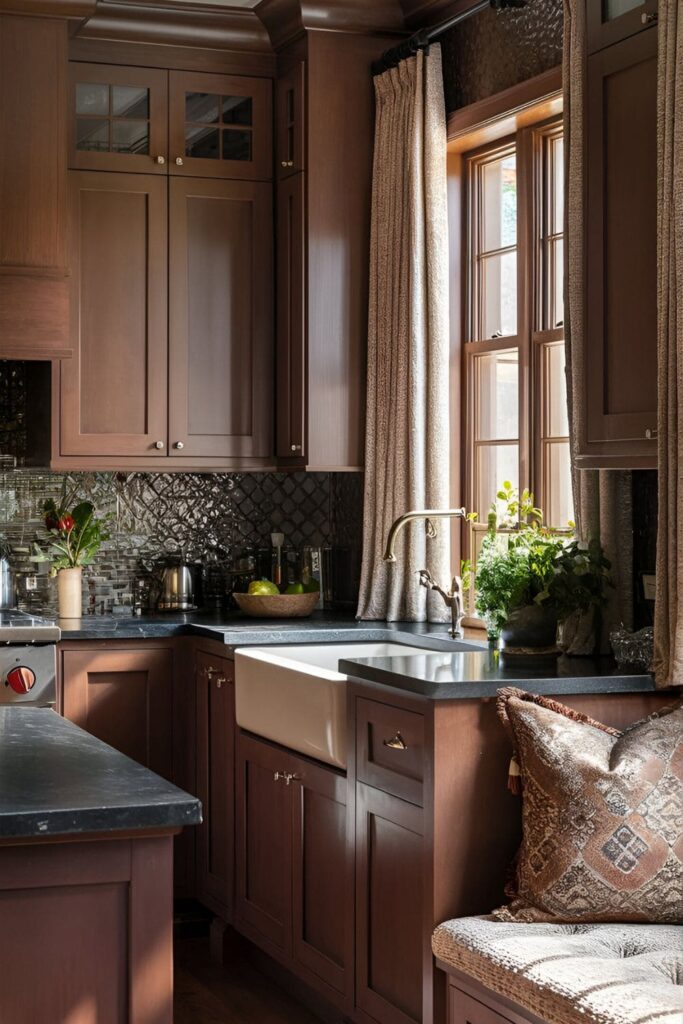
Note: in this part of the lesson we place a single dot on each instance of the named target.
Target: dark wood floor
(236, 993)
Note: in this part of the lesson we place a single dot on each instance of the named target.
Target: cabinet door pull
(651, 433)
(396, 742)
(158, 445)
(179, 161)
(649, 17)
(160, 159)
(286, 777)
(295, 447)
(179, 445)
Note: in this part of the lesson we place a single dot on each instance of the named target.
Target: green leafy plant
(74, 536)
(581, 578)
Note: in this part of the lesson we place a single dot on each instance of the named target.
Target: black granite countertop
(56, 779)
(477, 674)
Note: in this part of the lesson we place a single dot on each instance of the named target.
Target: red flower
(66, 524)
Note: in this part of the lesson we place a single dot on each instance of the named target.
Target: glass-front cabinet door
(118, 118)
(612, 20)
(220, 126)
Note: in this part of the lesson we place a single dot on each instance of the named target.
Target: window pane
(92, 98)
(130, 137)
(237, 110)
(202, 107)
(497, 396)
(558, 185)
(558, 504)
(499, 199)
(236, 145)
(130, 101)
(202, 142)
(494, 465)
(92, 135)
(557, 261)
(556, 391)
(499, 295)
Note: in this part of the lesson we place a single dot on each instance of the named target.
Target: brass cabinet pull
(287, 777)
(396, 742)
(179, 445)
(210, 672)
(651, 433)
(158, 445)
(295, 447)
(179, 160)
(649, 17)
(160, 159)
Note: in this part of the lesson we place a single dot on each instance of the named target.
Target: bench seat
(564, 973)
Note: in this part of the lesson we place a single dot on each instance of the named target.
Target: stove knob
(21, 679)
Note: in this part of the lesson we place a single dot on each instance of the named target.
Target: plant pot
(69, 593)
(529, 630)
(578, 634)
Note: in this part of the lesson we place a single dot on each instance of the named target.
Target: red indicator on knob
(21, 679)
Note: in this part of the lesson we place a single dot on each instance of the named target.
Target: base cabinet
(293, 878)
(215, 716)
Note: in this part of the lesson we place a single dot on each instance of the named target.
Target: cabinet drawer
(390, 749)
(463, 1009)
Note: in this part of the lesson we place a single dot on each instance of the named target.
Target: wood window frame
(525, 111)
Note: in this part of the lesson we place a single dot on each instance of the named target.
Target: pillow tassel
(515, 777)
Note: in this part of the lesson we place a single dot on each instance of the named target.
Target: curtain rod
(422, 39)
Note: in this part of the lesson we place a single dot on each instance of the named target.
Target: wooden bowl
(277, 606)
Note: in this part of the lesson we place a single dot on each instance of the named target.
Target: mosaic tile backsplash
(207, 518)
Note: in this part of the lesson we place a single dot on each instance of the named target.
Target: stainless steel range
(28, 659)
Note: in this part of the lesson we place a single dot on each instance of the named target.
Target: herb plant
(74, 537)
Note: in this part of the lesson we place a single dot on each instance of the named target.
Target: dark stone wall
(495, 50)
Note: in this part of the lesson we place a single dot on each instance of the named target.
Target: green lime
(295, 588)
(311, 587)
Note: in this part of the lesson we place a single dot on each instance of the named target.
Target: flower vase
(69, 593)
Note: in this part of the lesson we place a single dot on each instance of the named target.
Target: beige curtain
(603, 502)
(407, 449)
(668, 612)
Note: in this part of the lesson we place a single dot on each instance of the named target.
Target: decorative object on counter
(277, 540)
(633, 650)
(179, 587)
(276, 605)
(602, 815)
(74, 539)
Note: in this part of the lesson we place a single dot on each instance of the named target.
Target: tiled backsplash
(203, 517)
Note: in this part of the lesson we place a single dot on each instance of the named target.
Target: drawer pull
(286, 777)
(396, 742)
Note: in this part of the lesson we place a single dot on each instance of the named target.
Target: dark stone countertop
(477, 674)
(56, 779)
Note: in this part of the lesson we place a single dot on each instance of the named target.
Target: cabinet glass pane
(497, 396)
(615, 8)
(203, 143)
(202, 108)
(92, 98)
(494, 465)
(237, 110)
(130, 137)
(92, 136)
(558, 504)
(499, 203)
(236, 145)
(499, 295)
(130, 101)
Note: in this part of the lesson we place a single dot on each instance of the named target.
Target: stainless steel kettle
(8, 596)
(178, 588)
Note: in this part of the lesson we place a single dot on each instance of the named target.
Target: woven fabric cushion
(602, 817)
(598, 974)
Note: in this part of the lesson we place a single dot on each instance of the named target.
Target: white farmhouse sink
(297, 697)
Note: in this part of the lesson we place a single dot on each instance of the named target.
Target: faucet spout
(409, 517)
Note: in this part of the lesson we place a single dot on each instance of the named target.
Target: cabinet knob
(651, 433)
(287, 163)
(160, 159)
(179, 161)
(158, 445)
(179, 445)
(648, 17)
(295, 447)
(396, 742)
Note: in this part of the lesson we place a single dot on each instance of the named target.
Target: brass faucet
(453, 598)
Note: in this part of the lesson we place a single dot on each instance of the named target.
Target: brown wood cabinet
(609, 21)
(290, 153)
(293, 867)
(34, 308)
(220, 318)
(215, 712)
(621, 240)
(124, 696)
(113, 393)
(151, 120)
(291, 434)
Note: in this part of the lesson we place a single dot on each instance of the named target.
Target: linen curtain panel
(668, 610)
(603, 501)
(407, 440)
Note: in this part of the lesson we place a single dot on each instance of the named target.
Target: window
(515, 397)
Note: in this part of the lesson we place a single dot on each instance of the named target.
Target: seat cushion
(564, 973)
(602, 816)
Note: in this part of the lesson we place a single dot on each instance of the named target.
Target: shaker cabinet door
(114, 389)
(220, 273)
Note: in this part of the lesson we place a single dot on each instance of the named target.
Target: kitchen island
(86, 877)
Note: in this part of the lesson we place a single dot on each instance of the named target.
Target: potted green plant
(578, 591)
(74, 538)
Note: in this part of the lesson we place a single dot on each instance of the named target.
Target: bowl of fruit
(264, 600)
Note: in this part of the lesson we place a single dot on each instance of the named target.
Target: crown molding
(77, 9)
(285, 20)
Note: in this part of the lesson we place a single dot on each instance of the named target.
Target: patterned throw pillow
(602, 815)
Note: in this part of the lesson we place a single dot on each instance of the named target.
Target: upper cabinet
(609, 21)
(621, 252)
(290, 153)
(181, 123)
(33, 259)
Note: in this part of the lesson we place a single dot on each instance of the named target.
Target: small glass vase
(69, 593)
